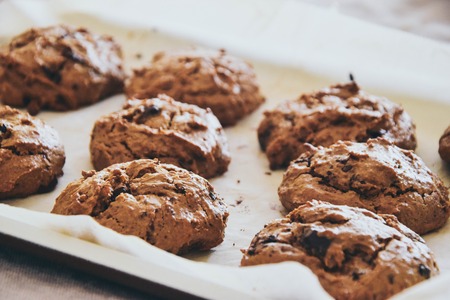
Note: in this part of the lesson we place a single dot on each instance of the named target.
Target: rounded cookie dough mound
(31, 154)
(356, 254)
(59, 68)
(205, 78)
(167, 206)
(444, 145)
(340, 112)
(376, 175)
(174, 132)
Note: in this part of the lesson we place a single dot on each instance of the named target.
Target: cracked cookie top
(340, 112)
(178, 133)
(167, 206)
(59, 68)
(444, 145)
(355, 253)
(31, 154)
(376, 175)
(205, 78)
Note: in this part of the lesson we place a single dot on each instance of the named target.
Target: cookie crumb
(87, 174)
(138, 55)
(268, 173)
(238, 181)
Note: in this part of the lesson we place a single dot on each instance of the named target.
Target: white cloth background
(23, 277)
(427, 18)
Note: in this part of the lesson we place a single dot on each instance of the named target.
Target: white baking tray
(294, 48)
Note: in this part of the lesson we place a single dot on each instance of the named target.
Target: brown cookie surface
(205, 78)
(59, 68)
(355, 253)
(444, 145)
(376, 175)
(167, 206)
(178, 133)
(340, 112)
(31, 154)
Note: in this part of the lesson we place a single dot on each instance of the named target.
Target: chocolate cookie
(355, 254)
(174, 132)
(444, 145)
(205, 78)
(31, 154)
(340, 112)
(59, 68)
(166, 206)
(376, 175)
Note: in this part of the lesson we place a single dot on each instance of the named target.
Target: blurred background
(428, 18)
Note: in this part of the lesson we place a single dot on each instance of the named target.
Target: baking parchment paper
(290, 58)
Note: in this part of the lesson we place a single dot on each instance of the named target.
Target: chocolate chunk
(347, 168)
(424, 271)
(3, 128)
(391, 278)
(315, 244)
(180, 189)
(61, 100)
(70, 54)
(144, 171)
(151, 110)
(117, 192)
(54, 76)
(375, 133)
(270, 239)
